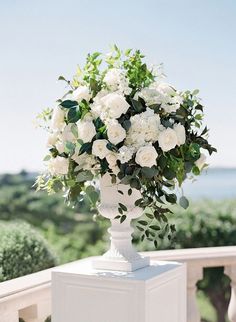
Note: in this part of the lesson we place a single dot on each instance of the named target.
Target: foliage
(157, 142)
(22, 251)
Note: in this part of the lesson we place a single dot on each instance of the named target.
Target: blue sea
(215, 183)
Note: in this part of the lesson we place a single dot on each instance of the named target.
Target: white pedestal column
(156, 293)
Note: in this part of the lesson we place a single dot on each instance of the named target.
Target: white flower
(82, 93)
(201, 161)
(58, 165)
(115, 105)
(146, 156)
(166, 89)
(180, 132)
(52, 139)
(151, 96)
(67, 134)
(112, 77)
(125, 153)
(100, 149)
(116, 81)
(85, 161)
(111, 159)
(58, 117)
(167, 139)
(86, 130)
(60, 146)
(144, 128)
(115, 132)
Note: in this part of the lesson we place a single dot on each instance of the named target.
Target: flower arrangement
(121, 117)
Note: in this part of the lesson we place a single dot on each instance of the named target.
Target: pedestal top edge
(84, 268)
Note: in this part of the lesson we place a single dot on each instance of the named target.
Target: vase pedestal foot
(106, 263)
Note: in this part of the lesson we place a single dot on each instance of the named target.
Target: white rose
(67, 134)
(100, 149)
(58, 116)
(52, 139)
(112, 77)
(60, 146)
(115, 132)
(180, 132)
(58, 165)
(201, 161)
(86, 131)
(115, 104)
(81, 93)
(166, 89)
(167, 139)
(146, 156)
(111, 159)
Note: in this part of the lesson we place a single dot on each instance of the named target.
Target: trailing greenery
(22, 251)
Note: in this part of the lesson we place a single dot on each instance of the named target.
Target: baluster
(230, 271)
(194, 274)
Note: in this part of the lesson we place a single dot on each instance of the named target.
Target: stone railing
(29, 297)
(197, 259)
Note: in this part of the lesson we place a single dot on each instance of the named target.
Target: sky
(40, 40)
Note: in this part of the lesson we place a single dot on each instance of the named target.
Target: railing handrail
(205, 257)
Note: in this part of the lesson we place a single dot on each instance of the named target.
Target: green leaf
(69, 147)
(48, 157)
(171, 198)
(138, 107)
(86, 147)
(84, 176)
(184, 203)
(123, 207)
(93, 196)
(143, 222)
(169, 173)
(123, 217)
(130, 192)
(73, 115)
(126, 124)
(68, 103)
(155, 227)
(149, 172)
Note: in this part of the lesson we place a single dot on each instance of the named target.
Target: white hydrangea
(146, 156)
(144, 128)
(115, 132)
(58, 166)
(125, 153)
(86, 130)
(82, 93)
(167, 139)
(116, 81)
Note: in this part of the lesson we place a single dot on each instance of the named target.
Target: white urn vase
(121, 256)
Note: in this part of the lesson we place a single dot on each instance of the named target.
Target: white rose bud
(115, 104)
(81, 93)
(146, 156)
(180, 132)
(115, 132)
(86, 131)
(52, 139)
(58, 165)
(111, 159)
(100, 149)
(58, 116)
(201, 161)
(167, 139)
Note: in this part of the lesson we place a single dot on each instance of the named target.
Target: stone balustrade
(29, 297)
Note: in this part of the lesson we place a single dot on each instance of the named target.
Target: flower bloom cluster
(127, 121)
